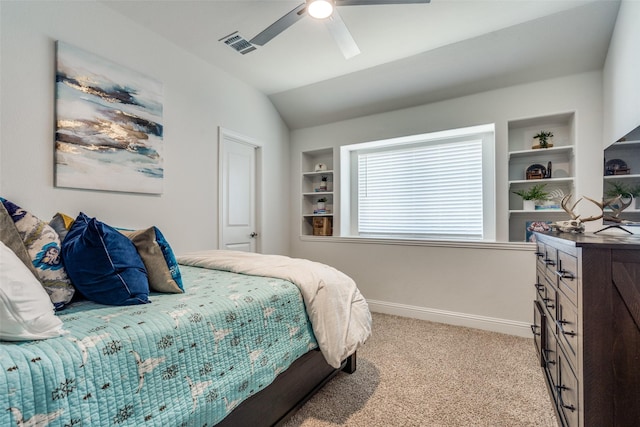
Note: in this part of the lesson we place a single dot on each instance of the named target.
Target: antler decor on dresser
(576, 223)
(616, 204)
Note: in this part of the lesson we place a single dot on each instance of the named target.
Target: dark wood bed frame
(290, 390)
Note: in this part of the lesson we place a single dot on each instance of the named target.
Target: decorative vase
(323, 184)
(321, 206)
(528, 205)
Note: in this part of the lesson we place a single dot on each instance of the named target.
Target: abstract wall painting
(109, 131)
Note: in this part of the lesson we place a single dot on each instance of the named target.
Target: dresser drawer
(567, 392)
(540, 248)
(567, 272)
(539, 285)
(539, 330)
(550, 260)
(549, 298)
(550, 355)
(567, 321)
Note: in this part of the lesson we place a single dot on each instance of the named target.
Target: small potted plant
(619, 188)
(542, 140)
(321, 203)
(532, 195)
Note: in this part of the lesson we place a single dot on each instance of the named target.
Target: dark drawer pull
(539, 286)
(546, 303)
(539, 254)
(546, 359)
(560, 389)
(549, 262)
(564, 274)
(561, 324)
(533, 329)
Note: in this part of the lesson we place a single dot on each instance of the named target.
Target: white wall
(488, 286)
(621, 75)
(197, 99)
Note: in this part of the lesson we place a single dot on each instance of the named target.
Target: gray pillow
(11, 238)
(160, 279)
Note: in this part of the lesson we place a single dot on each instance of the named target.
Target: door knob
(253, 235)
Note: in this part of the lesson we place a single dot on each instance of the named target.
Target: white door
(238, 230)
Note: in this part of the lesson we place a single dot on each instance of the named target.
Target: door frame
(227, 134)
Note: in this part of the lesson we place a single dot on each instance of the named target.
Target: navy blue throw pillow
(103, 264)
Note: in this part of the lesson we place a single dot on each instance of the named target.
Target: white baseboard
(504, 326)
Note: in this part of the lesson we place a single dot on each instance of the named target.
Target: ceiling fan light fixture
(320, 9)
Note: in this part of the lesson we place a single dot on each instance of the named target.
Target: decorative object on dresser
(576, 223)
(539, 226)
(611, 210)
(542, 140)
(587, 328)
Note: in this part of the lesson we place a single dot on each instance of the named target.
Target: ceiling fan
(324, 10)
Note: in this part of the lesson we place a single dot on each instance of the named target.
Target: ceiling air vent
(238, 43)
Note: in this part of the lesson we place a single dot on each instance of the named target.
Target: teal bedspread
(183, 360)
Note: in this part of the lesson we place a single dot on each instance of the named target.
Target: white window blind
(430, 191)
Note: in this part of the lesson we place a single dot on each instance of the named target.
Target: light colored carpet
(418, 373)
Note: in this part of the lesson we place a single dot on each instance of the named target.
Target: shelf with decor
(548, 164)
(621, 172)
(317, 192)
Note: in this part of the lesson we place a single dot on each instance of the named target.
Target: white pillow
(26, 311)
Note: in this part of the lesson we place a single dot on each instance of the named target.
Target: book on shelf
(547, 207)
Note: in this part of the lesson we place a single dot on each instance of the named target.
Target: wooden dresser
(587, 327)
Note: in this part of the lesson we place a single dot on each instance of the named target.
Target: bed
(249, 341)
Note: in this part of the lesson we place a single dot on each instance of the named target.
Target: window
(437, 186)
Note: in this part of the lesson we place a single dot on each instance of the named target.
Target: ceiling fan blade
(341, 35)
(280, 25)
(374, 2)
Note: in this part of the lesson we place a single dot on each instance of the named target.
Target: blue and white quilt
(183, 360)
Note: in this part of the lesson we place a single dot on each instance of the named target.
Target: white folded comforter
(338, 312)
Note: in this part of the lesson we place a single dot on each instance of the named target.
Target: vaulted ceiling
(411, 54)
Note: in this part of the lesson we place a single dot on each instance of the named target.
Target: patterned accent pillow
(148, 246)
(103, 264)
(170, 258)
(43, 246)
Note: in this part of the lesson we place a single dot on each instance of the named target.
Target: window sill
(521, 246)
